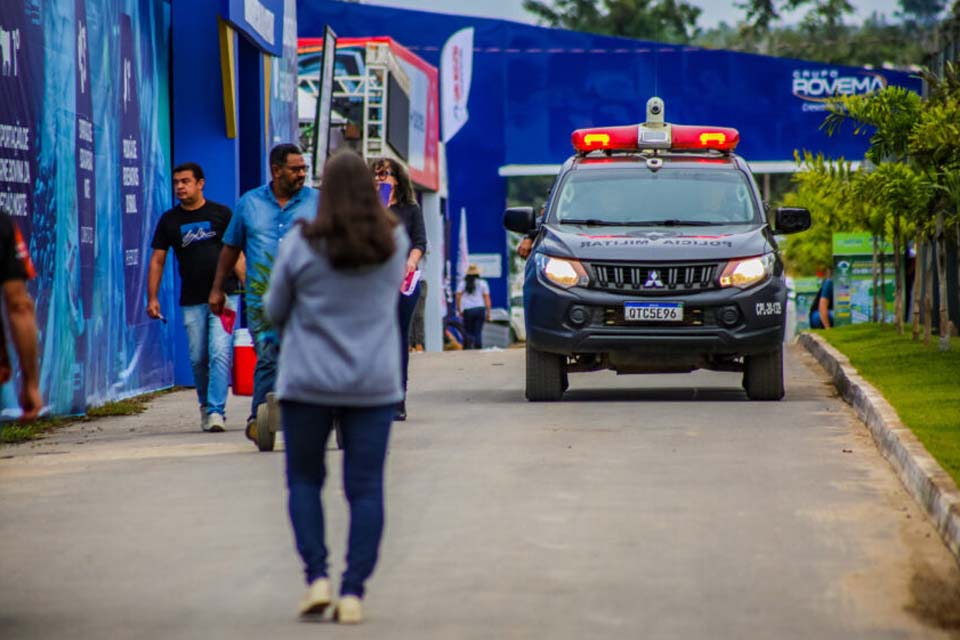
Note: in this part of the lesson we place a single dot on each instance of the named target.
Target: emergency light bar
(640, 137)
(606, 138)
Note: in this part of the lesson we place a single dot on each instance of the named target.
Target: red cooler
(244, 362)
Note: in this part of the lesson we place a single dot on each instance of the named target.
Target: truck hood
(595, 243)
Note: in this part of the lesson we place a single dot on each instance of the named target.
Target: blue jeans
(473, 326)
(211, 354)
(405, 308)
(265, 373)
(366, 431)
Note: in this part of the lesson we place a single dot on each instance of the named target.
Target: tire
(763, 375)
(265, 437)
(546, 375)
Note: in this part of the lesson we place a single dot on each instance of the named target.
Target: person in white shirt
(473, 303)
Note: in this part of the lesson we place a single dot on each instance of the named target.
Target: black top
(196, 237)
(412, 219)
(15, 261)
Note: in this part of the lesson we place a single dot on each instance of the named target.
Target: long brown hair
(352, 227)
(404, 194)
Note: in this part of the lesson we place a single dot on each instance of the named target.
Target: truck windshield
(666, 197)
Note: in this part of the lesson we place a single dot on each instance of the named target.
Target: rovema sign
(821, 85)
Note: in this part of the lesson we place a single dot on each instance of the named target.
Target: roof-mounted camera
(654, 111)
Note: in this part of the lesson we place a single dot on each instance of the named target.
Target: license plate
(653, 311)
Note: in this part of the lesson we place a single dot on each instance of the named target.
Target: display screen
(398, 119)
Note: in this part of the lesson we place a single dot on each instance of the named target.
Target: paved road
(642, 506)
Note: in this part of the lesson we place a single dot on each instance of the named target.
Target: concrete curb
(925, 480)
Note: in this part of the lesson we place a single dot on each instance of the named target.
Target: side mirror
(519, 219)
(792, 220)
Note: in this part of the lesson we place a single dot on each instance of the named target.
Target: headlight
(562, 272)
(747, 272)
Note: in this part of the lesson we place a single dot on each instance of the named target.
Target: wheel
(265, 435)
(763, 375)
(546, 376)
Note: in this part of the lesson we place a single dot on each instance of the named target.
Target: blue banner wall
(84, 168)
(532, 86)
(85, 154)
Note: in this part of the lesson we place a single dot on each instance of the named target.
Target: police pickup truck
(655, 255)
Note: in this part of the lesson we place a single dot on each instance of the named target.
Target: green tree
(915, 145)
(888, 116)
(661, 20)
(869, 212)
(935, 146)
(923, 12)
(821, 188)
(824, 34)
(879, 42)
(821, 15)
(905, 193)
(823, 19)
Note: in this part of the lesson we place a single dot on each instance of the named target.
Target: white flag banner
(456, 71)
(463, 253)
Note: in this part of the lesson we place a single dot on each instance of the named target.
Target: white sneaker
(204, 419)
(318, 597)
(215, 423)
(349, 610)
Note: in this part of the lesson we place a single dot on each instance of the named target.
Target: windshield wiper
(591, 222)
(674, 222)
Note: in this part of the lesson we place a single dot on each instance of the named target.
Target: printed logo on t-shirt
(196, 232)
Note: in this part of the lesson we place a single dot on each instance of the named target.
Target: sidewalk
(170, 426)
(931, 486)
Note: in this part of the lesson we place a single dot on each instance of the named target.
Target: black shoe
(401, 413)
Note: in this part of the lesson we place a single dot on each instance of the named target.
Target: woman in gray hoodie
(333, 297)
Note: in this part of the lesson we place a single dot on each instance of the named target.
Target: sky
(714, 11)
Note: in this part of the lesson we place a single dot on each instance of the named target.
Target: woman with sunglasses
(403, 204)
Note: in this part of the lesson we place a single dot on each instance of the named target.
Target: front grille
(654, 278)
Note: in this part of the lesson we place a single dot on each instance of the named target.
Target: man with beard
(262, 218)
(194, 229)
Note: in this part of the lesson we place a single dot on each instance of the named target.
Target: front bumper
(720, 322)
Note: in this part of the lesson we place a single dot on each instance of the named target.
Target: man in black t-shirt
(15, 269)
(194, 229)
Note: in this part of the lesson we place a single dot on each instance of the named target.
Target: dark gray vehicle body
(722, 326)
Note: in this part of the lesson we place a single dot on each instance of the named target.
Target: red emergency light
(665, 136)
(696, 137)
(605, 138)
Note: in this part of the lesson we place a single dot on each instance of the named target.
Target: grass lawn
(921, 382)
(12, 432)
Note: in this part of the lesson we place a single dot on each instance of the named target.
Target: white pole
(432, 266)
